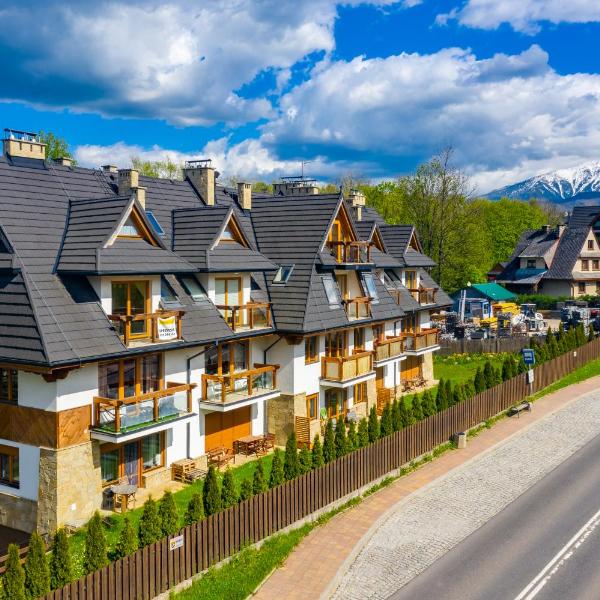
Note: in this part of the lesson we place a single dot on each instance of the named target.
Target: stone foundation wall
(157, 478)
(281, 412)
(371, 394)
(18, 513)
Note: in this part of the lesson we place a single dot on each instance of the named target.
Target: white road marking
(564, 554)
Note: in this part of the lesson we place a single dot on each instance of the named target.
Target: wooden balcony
(392, 347)
(223, 389)
(136, 412)
(346, 367)
(415, 342)
(351, 252)
(358, 308)
(246, 317)
(161, 326)
(424, 295)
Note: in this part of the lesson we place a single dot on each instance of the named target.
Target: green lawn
(461, 367)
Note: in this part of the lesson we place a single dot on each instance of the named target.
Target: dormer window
(369, 285)
(283, 274)
(129, 229)
(331, 291)
(232, 233)
(531, 263)
(193, 288)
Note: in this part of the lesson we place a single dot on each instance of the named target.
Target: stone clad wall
(18, 513)
(281, 412)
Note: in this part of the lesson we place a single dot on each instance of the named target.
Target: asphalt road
(544, 545)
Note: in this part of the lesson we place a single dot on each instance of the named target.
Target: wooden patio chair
(269, 441)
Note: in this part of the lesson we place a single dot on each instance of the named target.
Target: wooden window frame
(360, 347)
(360, 392)
(147, 308)
(379, 332)
(312, 398)
(12, 376)
(236, 233)
(328, 346)
(595, 265)
(328, 404)
(220, 356)
(585, 264)
(410, 279)
(143, 232)
(138, 372)
(581, 285)
(590, 245)
(529, 265)
(343, 287)
(11, 452)
(311, 357)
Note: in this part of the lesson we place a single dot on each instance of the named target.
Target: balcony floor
(239, 399)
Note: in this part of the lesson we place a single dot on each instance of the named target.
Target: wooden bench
(219, 457)
(519, 408)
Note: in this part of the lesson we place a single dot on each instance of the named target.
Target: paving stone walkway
(374, 548)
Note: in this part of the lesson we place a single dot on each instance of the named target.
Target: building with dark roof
(148, 321)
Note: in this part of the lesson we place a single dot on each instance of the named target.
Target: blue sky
(371, 89)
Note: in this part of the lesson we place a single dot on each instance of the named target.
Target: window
(168, 297)
(9, 386)
(193, 288)
(335, 402)
(312, 406)
(331, 290)
(151, 452)
(581, 287)
(228, 291)
(531, 263)
(342, 281)
(232, 233)
(378, 333)
(9, 466)
(596, 265)
(130, 377)
(154, 222)
(410, 280)
(597, 288)
(585, 265)
(359, 339)
(370, 288)
(311, 349)
(129, 229)
(109, 465)
(410, 324)
(283, 274)
(335, 344)
(590, 244)
(360, 392)
(227, 358)
(132, 298)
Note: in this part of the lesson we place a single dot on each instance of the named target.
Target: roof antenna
(302, 163)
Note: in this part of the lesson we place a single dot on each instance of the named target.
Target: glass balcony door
(228, 292)
(132, 298)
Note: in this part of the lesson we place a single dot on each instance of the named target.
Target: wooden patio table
(247, 444)
(124, 492)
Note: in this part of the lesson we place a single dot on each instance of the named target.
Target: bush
(246, 490)
(291, 466)
(385, 426)
(149, 527)
(94, 556)
(37, 573)
(448, 392)
(329, 443)
(229, 495)
(541, 301)
(427, 404)
(352, 437)
(277, 476)
(304, 460)
(317, 453)
(61, 570)
(490, 376)
(396, 421)
(194, 511)
(127, 543)
(441, 400)
(168, 515)
(13, 581)
(259, 481)
(363, 433)
(480, 383)
(373, 425)
(406, 416)
(417, 409)
(211, 493)
(340, 438)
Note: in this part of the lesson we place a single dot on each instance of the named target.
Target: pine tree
(448, 386)
(560, 335)
(506, 369)
(426, 404)
(304, 460)
(469, 389)
(373, 425)
(480, 384)
(291, 467)
(94, 557)
(329, 443)
(340, 439)
(37, 572)
(149, 527)
(127, 543)
(195, 510)
(521, 366)
(13, 581)
(488, 373)
(317, 453)
(352, 437)
(581, 339)
(168, 515)
(229, 495)
(363, 433)
(211, 493)
(385, 426)
(396, 421)
(259, 481)
(591, 335)
(246, 490)
(61, 569)
(441, 400)
(417, 409)
(406, 416)
(277, 476)
(552, 345)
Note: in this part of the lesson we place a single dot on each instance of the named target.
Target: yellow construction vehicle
(505, 307)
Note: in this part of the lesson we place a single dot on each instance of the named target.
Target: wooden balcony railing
(424, 295)
(157, 326)
(351, 252)
(389, 348)
(253, 315)
(421, 340)
(346, 367)
(239, 386)
(134, 412)
(358, 308)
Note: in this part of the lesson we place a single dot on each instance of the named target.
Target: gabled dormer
(342, 242)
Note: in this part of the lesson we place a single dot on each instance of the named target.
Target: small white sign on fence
(176, 542)
(530, 376)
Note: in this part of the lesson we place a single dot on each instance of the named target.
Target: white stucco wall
(78, 388)
(35, 392)
(29, 462)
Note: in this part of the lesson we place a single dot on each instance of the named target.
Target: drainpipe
(265, 423)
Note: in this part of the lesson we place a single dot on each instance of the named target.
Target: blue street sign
(528, 356)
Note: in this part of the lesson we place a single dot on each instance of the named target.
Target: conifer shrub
(317, 453)
(469, 389)
(277, 476)
(168, 515)
(363, 433)
(417, 409)
(396, 421)
(127, 543)
(441, 400)
(95, 555)
(13, 580)
(490, 376)
(448, 386)
(385, 426)
(406, 416)
(427, 404)
(480, 383)
(373, 425)
(211, 492)
(352, 437)
(340, 438)
(291, 466)
(194, 511)
(304, 460)
(229, 495)
(259, 481)
(246, 490)
(37, 572)
(329, 443)
(61, 569)
(149, 527)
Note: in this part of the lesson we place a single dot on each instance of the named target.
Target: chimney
(140, 196)
(202, 175)
(128, 180)
(23, 144)
(358, 201)
(65, 161)
(110, 169)
(244, 191)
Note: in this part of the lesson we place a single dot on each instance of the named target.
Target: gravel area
(428, 523)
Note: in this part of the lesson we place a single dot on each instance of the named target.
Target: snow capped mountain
(564, 186)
